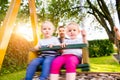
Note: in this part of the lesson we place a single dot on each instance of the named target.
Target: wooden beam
(33, 17)
(7, 28)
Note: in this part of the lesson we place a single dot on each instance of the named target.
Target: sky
(93, 33)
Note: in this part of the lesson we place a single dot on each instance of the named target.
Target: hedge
(99, 48)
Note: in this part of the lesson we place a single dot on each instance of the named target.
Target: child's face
(62, 32)
(72, 31)
(47, 30)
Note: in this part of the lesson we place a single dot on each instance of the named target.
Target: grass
(13, 76)
(101, 64)
(104, 64)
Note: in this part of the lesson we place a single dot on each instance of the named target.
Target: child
(70, 58)
(46, 57)
(117, 32)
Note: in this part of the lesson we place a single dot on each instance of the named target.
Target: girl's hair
(74, 24)
(49, 23)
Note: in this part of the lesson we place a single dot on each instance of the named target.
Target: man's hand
(115, 29)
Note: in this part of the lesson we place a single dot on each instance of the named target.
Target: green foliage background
(99, 48)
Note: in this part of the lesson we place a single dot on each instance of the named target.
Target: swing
(84, 66)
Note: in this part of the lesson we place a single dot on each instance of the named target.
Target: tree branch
(106, 12)
(118, 8)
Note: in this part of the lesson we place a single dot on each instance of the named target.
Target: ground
(93, 76)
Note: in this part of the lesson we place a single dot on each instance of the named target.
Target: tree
(103, 16)
(23, 11)
(118, 8)
(23, 14)
(61, 10)
(3, 9)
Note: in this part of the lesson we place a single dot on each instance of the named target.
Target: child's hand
(32, 49)
(83, 33)
(50, 46)
(37, 47)
(63, 45)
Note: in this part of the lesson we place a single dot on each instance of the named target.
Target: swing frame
(8, 26)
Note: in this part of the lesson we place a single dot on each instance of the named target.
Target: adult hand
(115, 29)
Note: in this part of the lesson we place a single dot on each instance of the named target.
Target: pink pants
(70, 62)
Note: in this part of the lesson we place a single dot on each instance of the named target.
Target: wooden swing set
(8, 27)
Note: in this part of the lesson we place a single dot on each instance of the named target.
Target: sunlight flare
(25, 31)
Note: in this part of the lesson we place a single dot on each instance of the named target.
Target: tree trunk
(118, 8)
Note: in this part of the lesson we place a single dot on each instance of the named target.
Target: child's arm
(83, 33)
(35, 49)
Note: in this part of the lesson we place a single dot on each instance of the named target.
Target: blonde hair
(49, 23)
(73, 24)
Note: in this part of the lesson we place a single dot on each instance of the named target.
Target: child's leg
(31, 69)
(71, 63)
(56, 66)
(70, 76)
(46, 67)
(54, 76)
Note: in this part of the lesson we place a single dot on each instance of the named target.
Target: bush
(16, 54)
(99, 48)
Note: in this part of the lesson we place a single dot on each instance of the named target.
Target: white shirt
(77, 52)
(45, 42)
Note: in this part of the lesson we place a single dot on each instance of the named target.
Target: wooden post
(85, 55)
(34, 24)
(7, 28)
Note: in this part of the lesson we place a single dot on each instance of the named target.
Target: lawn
(101, 64)
(104, 64)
